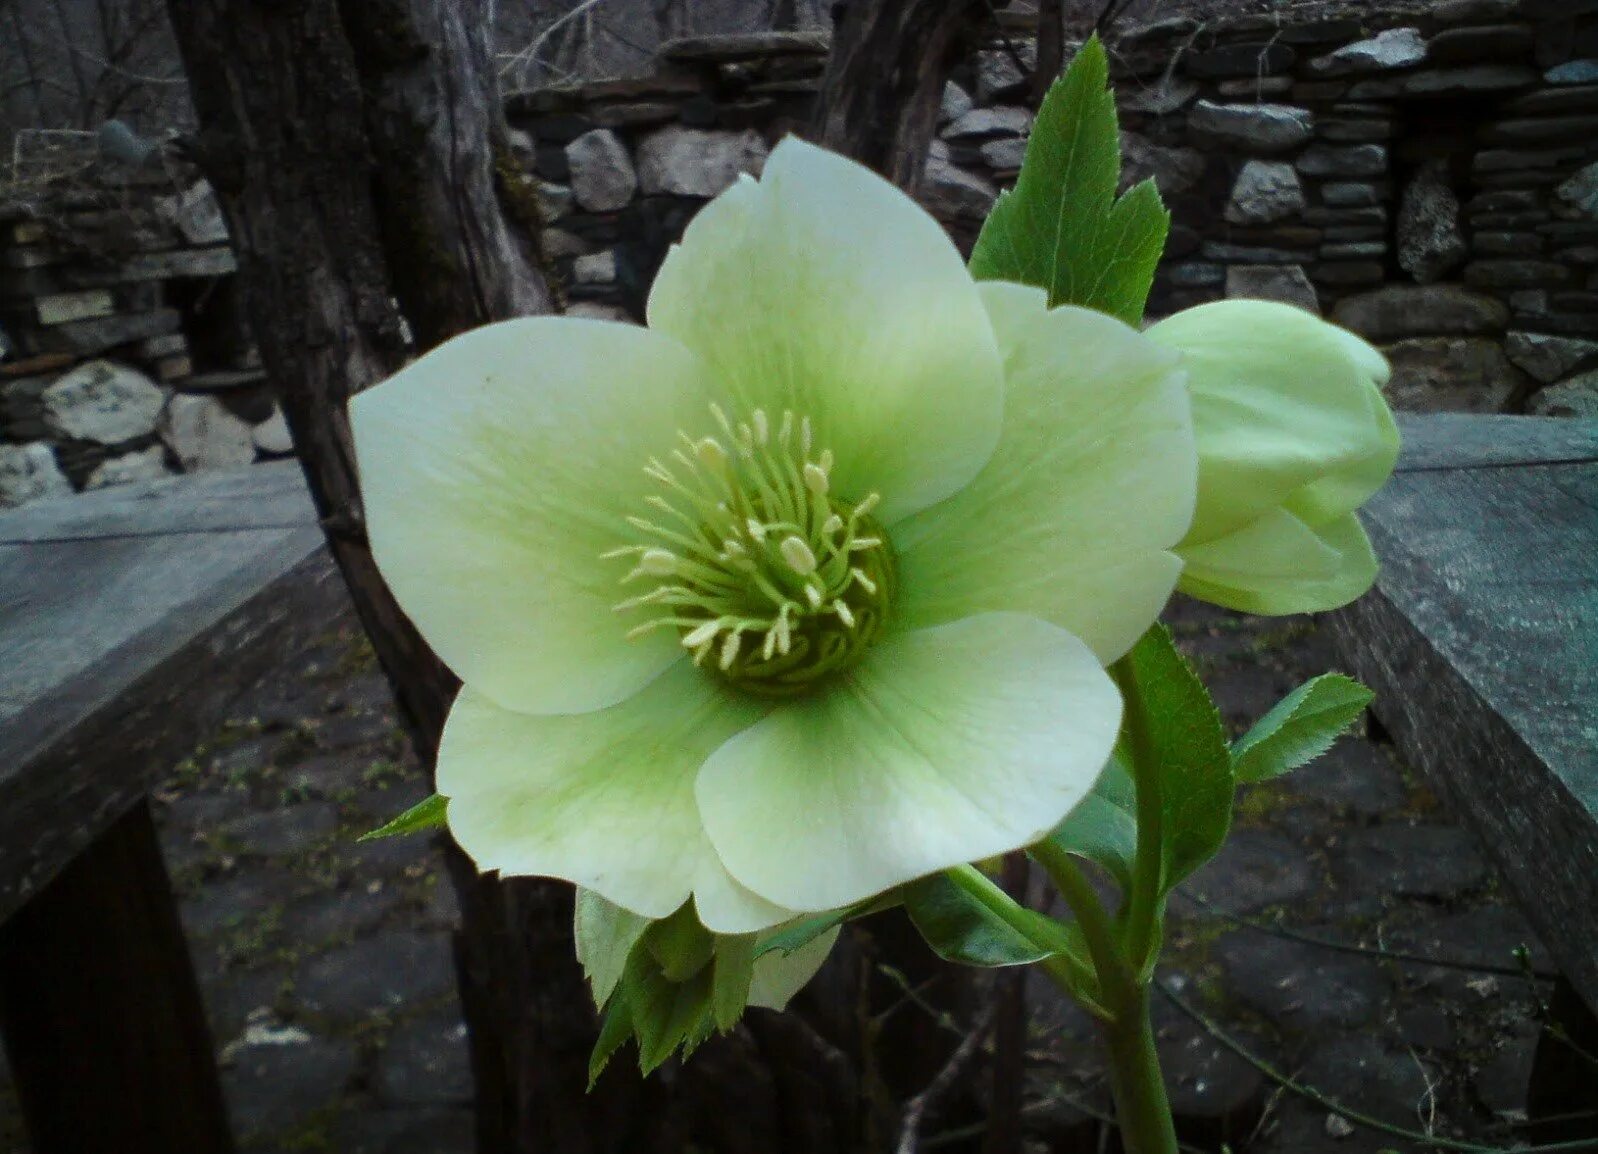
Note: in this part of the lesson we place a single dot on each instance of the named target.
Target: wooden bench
(128, 618)
(1481, 641)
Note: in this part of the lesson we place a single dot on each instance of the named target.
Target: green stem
(1143, 902)
(1141, 1107)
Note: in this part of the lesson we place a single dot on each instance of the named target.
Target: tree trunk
(884, 81)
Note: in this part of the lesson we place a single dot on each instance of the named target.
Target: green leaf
(680, 945)
(1300, 728)
(1103, 826)
(960, 929)
(1173, 732)
(605, 935)
(1061, 228)
(734, 971)
(428, 814)
(800, 932)
(613, 1031)
(666, 1015)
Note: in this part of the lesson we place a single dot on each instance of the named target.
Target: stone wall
(1428, 180)
(122, 353)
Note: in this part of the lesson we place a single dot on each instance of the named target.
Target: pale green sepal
(1062, 227)
(1177, 745)
(666, 1015)
(680, 945)
(424, 815)
(730, 981)
(1301, 727)
(616, 1027)
(1278, 565)
(605, 935)
(778, 976)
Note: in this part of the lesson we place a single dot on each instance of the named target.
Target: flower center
(773, 581)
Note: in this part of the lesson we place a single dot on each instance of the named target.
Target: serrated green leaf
(680, 945)
(1300, 728)
(427, 814)
(960, 929)
(734, 971)
(615, 1029)
(800, 932)
(665, 1015)
(1173, 732)
(605, 935)
(1103, 826)
(1061, 228)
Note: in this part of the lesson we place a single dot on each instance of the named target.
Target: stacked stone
(97, 378)
(621, 166)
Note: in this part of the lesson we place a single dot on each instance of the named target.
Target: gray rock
(558, 243)
(1299, 986)
(1004, 155)
(292, 829)
(1343, 161)
(383, 972)
(1548, 358)
(1573, 72)
(1272, 282)
(1345, 194)
(1579, 194)
(1256, 88)
(1430, 245)
(143, 465)
(1194, 274)
(1358, 776)
(1252, 127)
(1265, 191)
(1451, 375)
(1577, 397)
(90, 338)
(7, 346)
(697, 162)
(1255, 869)
(595, 268)
(1386, 51)
(1468, 79)
(426, 1063)
(1175, 170)
(950, 191)
(1397, 311)
(956, 103)
(1421, 861)
(102, 402)
(997, 74)
(272, 435)
(1354, 250)
(203, 433)
(274, 1088)
(554, 200)
(30, 473)
(598, 311)
(986, 123)
(1169, 95)
(196, 213)
(602, 175)
(64, 308)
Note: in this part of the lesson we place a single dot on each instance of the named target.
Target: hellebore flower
(1293, 435)
(797, 594)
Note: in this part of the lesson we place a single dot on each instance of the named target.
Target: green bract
(803, 591)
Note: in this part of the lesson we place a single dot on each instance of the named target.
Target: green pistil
(773, 582)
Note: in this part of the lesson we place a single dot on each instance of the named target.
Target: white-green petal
(1281, 401)
(604, 799)
(495, 471)
(1278, 564)
(779, 976)
(944, 746)
(824, 290)
(1091, 486)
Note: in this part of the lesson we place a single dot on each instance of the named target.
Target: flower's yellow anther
(785, 430)
(711, 455)
(702, 634)
(703, 651)
(814, 596)
(798, 555)
(729, 650)
(871, 501)
(804, 437)
(756, 529)
(816, 479)
(762, 426)
(732, 547)
(658, 563)
(860, 544)
(845, 614)
(825, 460)
(862, 580)
(832, 524)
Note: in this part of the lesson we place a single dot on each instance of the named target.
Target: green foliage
(1300, 728)
(427, 814)
(1062, 228)
(960, 929)
(801, 932)
(605, 935)
(1175, 739)
(1103, 826)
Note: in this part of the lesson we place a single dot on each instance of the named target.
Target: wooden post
(96, 1069)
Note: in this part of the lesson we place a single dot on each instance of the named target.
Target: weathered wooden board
(1481, 640)
(127, 619)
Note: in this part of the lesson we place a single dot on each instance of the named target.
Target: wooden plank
(1481, 639)
(119, 651)
(1468, 441)
(267, 496)
(105, 1031)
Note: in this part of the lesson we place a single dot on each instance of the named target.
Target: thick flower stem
(1141, 1107)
